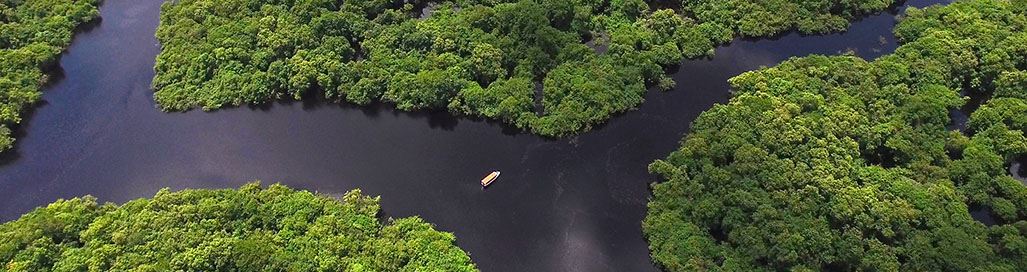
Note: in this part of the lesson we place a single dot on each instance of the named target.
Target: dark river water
(572, 204)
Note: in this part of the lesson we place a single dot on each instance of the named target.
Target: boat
(489, 179)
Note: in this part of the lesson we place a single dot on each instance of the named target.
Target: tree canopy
(770, 17)
(33, 33)
(555, 67)
(245, 229)
(842, 164)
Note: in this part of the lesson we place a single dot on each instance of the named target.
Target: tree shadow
(54, 74)
(88, 26)
(314, 100)
(10, 155)
(18, 131)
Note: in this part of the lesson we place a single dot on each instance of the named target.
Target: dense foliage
(249, 229)
(32, 35)
(840, 164)
(555, 67)
(770, 17)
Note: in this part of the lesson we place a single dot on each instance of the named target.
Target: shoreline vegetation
(33, 33)
(843, 164)
(830, 163)
(246, 229)
(592, 59)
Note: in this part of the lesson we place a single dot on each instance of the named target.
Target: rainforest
(533, 64)
(631, 135)
(32, 35)
(838, 163)
(249, 229)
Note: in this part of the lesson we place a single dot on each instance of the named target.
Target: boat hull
(485, 182)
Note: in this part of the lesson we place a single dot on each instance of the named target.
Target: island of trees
(842, 164)
(33, 33)
(246, 229)
(554, 67)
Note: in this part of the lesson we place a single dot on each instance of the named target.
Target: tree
(385, 52)
(32, 36)
(246, 229)
(842, 164)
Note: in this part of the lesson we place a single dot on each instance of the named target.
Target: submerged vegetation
(843, 164)
(249, 229)
(591, 59)
(32, 35)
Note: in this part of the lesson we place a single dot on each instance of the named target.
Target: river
(572, 204)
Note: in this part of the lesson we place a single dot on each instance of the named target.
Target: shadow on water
(11, 155)
(89, 26)
(53, 72)
(19, 131)
(312, 101)
(436, 119)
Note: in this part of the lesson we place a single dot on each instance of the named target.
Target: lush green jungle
(246, 229)
(32, 35)
(843, 164)
(821, 163)
(554, 67)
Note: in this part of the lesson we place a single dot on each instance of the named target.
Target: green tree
(247, 229)
(842, 164)
(369, 51)
(32, 36)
